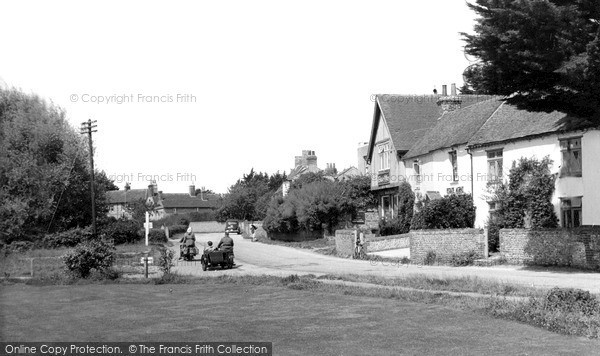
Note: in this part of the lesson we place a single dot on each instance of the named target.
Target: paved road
(257, 258)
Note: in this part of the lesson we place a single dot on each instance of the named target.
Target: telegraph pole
(87, 127)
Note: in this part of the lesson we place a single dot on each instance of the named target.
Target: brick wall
(446, 243)
(344, 242)
(391, 242)
(552, 247)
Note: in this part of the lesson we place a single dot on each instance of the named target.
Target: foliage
(165, 260)
(450, 212)
(248, 198)
(201, 216)
(177, 229)
(526, 201)
(463, 259)
(68, 238)
(545, 52)
(430, 258)
(401, 223)
(122, 231)
(308, 178)
(157, 236)
(318, 205)
(493, 235)
(571, 300)
(44, 175)
(89, 255)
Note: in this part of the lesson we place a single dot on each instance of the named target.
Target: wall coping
(388, 237)
(558, 229)
(447, 231)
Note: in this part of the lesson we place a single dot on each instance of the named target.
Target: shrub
(571, 300)
(165, 260)
(430, 258)
(450, 212)
(463, 259)
(177, 229)
(393, 226)
(68, 238)
(202, 216)
(493, 235)
(88, 256)
(157, 236)
(122, 231)
(19, 246)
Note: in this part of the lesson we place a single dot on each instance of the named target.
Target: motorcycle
(188, 253)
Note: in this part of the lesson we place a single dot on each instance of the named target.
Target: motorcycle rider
(188, 241)
(226, 244)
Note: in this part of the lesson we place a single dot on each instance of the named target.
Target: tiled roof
(455, 127)
(410, 116)
(183, 200)
(122, 196)
(510, 123)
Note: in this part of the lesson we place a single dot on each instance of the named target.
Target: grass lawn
(296, 321)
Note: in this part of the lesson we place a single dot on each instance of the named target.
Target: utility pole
(87, 127)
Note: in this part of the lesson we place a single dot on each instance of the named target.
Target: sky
(200, 92)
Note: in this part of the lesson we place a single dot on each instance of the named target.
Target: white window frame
(384, 156)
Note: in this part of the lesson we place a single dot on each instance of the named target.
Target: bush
(165, 261)
(68, 238)
(493, 235)
(177, 229)
(463, 259)
(122, 231)
(88, 256)
(393, 226)
(572, 300)
(202, 216)
(157, 236)
(430, 258)
(19, 246)
(450, 212)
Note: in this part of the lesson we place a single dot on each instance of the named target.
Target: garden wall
(207, 226)
(578, 247)
(446, 243)
(344, 242)
(390, 242)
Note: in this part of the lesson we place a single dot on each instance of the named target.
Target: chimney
(192, 190)
(202, 193)
(449, 102)
(150, 191)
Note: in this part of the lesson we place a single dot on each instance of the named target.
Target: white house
(399, 122)
(470, 148)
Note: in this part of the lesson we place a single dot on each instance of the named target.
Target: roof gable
(455, 127)
(409, 117)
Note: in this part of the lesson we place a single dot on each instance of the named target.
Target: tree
(545, 54)
(526, 201)
(44, 177)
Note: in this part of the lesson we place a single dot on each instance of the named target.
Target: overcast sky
(210, 89)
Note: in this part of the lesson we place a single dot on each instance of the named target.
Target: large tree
(44, 175)
(545, 54)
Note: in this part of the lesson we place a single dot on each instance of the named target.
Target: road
(257, 258)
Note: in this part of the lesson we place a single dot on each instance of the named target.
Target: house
(162, 203)
(471, 148)
(118, 200)
(399, 122)
(180, 203)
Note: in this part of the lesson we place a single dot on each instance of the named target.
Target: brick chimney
(449, 102)
(192, 190)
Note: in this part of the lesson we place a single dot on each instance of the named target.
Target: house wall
(585, 186)
(436, 171)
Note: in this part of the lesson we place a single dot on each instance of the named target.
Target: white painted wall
(397, 172)
(436, 171)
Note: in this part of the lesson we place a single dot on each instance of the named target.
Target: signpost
(146, 259)
(148, 226)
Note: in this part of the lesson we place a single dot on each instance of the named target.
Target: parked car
(233, 226)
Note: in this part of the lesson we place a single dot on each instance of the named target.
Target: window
(454, 163)
(494, 165)
(384, 156)
(571, 157)
(571, 211)
(417, 169)
(385, 206)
